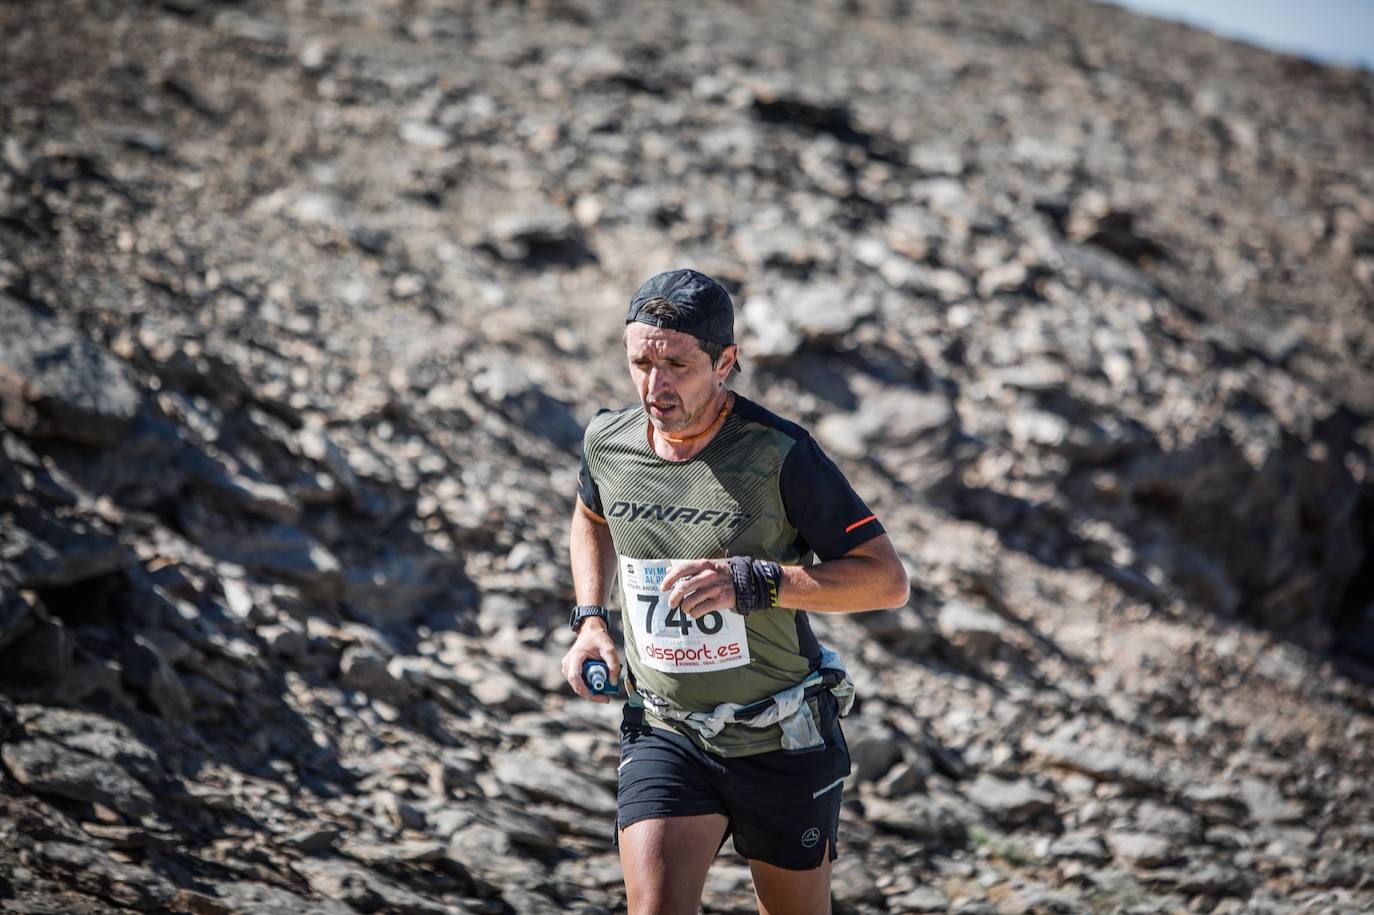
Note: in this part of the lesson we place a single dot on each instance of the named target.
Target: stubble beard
(676, 422)
(679, 422)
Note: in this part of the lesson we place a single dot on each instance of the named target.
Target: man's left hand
(700, 586)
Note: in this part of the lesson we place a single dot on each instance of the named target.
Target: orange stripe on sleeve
(861, 523)
(588, 513)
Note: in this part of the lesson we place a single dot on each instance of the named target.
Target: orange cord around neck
(720, 418)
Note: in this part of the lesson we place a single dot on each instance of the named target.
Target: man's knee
(652, 890)
(660, 902)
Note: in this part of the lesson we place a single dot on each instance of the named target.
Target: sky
(1331, 31)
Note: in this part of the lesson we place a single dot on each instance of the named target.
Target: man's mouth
(660, 409)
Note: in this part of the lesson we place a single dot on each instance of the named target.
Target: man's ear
(728, 357)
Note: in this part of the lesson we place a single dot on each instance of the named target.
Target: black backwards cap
(704, 307)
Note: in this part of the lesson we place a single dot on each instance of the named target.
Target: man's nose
(658, 382)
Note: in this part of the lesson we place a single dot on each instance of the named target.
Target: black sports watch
(583, 611)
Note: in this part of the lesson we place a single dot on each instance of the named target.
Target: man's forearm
(593, 570)
(869, 578)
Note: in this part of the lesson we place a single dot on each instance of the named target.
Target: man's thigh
(665, 862)
(671, 818)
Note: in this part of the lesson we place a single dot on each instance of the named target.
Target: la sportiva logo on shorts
(811, 837)
(676, 514)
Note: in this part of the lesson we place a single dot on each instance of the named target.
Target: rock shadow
(201, 606)
(1277, 533)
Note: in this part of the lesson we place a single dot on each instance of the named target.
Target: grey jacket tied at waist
(787, 709)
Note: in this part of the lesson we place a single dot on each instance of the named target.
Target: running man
(725, 524)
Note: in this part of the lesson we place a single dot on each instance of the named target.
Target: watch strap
(583, 611)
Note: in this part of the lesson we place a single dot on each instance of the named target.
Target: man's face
(676, 382)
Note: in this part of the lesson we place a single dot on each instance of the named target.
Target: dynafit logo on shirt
(676, 514)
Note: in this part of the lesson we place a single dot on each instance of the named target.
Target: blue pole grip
(597, 677)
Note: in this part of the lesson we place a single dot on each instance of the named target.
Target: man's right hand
(593, 641)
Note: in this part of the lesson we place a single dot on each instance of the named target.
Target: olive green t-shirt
(761, 487)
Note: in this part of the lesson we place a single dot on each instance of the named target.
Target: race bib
(670, 640)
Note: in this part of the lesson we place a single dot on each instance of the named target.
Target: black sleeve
(829, 516)
(587, 489)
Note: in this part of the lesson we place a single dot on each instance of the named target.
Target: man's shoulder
(765, 419)
(609, 422)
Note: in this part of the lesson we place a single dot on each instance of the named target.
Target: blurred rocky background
(303, 306)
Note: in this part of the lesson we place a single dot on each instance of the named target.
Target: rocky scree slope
(303, 307)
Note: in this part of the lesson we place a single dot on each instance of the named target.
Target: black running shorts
(783, 807)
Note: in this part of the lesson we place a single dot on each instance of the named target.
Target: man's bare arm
(868, 577)
(593, 557)
(593, 569)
